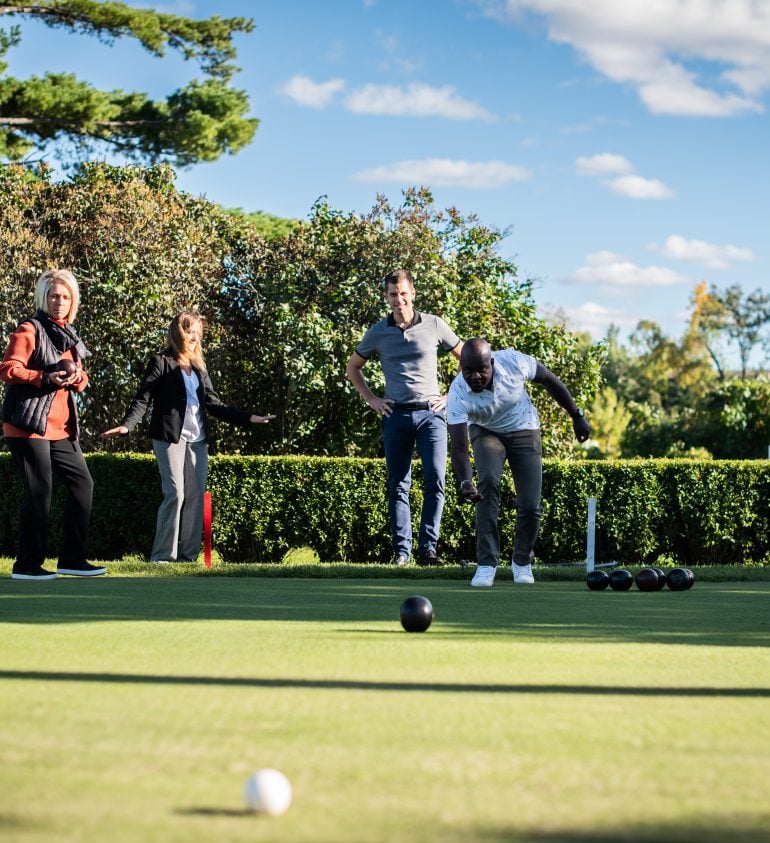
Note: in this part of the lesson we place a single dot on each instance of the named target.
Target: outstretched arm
(562, 396)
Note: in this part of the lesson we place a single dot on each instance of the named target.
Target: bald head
(476, 363)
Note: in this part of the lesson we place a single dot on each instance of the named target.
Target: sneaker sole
(482, 584)
(71, 572)
(32, 577)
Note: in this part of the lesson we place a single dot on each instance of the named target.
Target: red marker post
(207, 529)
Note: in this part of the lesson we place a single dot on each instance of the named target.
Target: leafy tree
(609, 420)
(733, 420)
(268, 225)
(199, 122)
(140, 251)
(743, 319)
(658, 381)
(302, 303)
(283, 314)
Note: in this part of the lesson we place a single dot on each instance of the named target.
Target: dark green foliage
(140, 251)
(298, 306)
(669, 512)
(686, 512)
(676, 404)
(283, 314)
(730, 421)
(733, 421)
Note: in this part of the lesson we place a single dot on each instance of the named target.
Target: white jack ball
(267, 791)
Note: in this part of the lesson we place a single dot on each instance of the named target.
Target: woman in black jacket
(177, 387)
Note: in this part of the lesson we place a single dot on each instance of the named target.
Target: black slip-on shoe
(82, 569)
(33, 574)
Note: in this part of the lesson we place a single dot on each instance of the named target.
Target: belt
(410, 405)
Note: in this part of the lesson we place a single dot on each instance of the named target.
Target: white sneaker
(522, 574)
(484, 576)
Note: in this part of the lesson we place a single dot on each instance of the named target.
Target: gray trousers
(183, 470)
(523, 451)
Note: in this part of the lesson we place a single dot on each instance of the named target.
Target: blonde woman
(42, 368)
(177, 386)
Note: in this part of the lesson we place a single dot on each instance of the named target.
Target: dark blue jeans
(523, 451)
(403, 431)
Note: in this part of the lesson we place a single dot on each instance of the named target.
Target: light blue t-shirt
(504, 408)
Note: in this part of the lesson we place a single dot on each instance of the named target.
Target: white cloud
(701, 252)
(304, 91)
(678, 94)
(607, 269)
(657, 46)
(443, 172)
(637, 187)
(417, 100)
(628, 184)
(603, 163)
(596, 319)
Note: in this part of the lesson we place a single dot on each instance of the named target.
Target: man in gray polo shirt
(407, 343)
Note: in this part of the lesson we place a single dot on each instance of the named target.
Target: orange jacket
(14, 369)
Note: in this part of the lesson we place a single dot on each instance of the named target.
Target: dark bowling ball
(621, 579)
(597, 580)
(677, 579)
(69, 367)
(690, 577)
(416, 614)
(661, 577)
(647, 579)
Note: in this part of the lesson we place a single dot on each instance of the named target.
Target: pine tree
(199, 122)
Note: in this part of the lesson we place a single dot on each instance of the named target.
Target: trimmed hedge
(683, 512)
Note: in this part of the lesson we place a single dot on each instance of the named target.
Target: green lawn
(135, 707)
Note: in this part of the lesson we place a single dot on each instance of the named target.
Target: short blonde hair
(177, 338)
(57, 276)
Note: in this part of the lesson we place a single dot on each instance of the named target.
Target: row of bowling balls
(648, 579)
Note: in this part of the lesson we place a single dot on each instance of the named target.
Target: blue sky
(624, 144)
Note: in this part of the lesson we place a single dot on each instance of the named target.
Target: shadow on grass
(733, 614)
(379, 686)
(706, 830)
(215, 812)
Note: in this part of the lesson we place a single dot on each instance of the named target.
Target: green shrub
(685, 512)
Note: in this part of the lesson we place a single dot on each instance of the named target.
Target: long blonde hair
(57, 276)
(177, 339)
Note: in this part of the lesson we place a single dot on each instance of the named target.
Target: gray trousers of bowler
(523, 451)
(183, 470)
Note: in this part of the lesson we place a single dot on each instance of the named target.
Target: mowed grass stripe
(139, 707)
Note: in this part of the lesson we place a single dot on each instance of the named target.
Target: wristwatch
(579, 413)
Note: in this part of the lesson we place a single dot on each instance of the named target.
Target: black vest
(27, 406)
